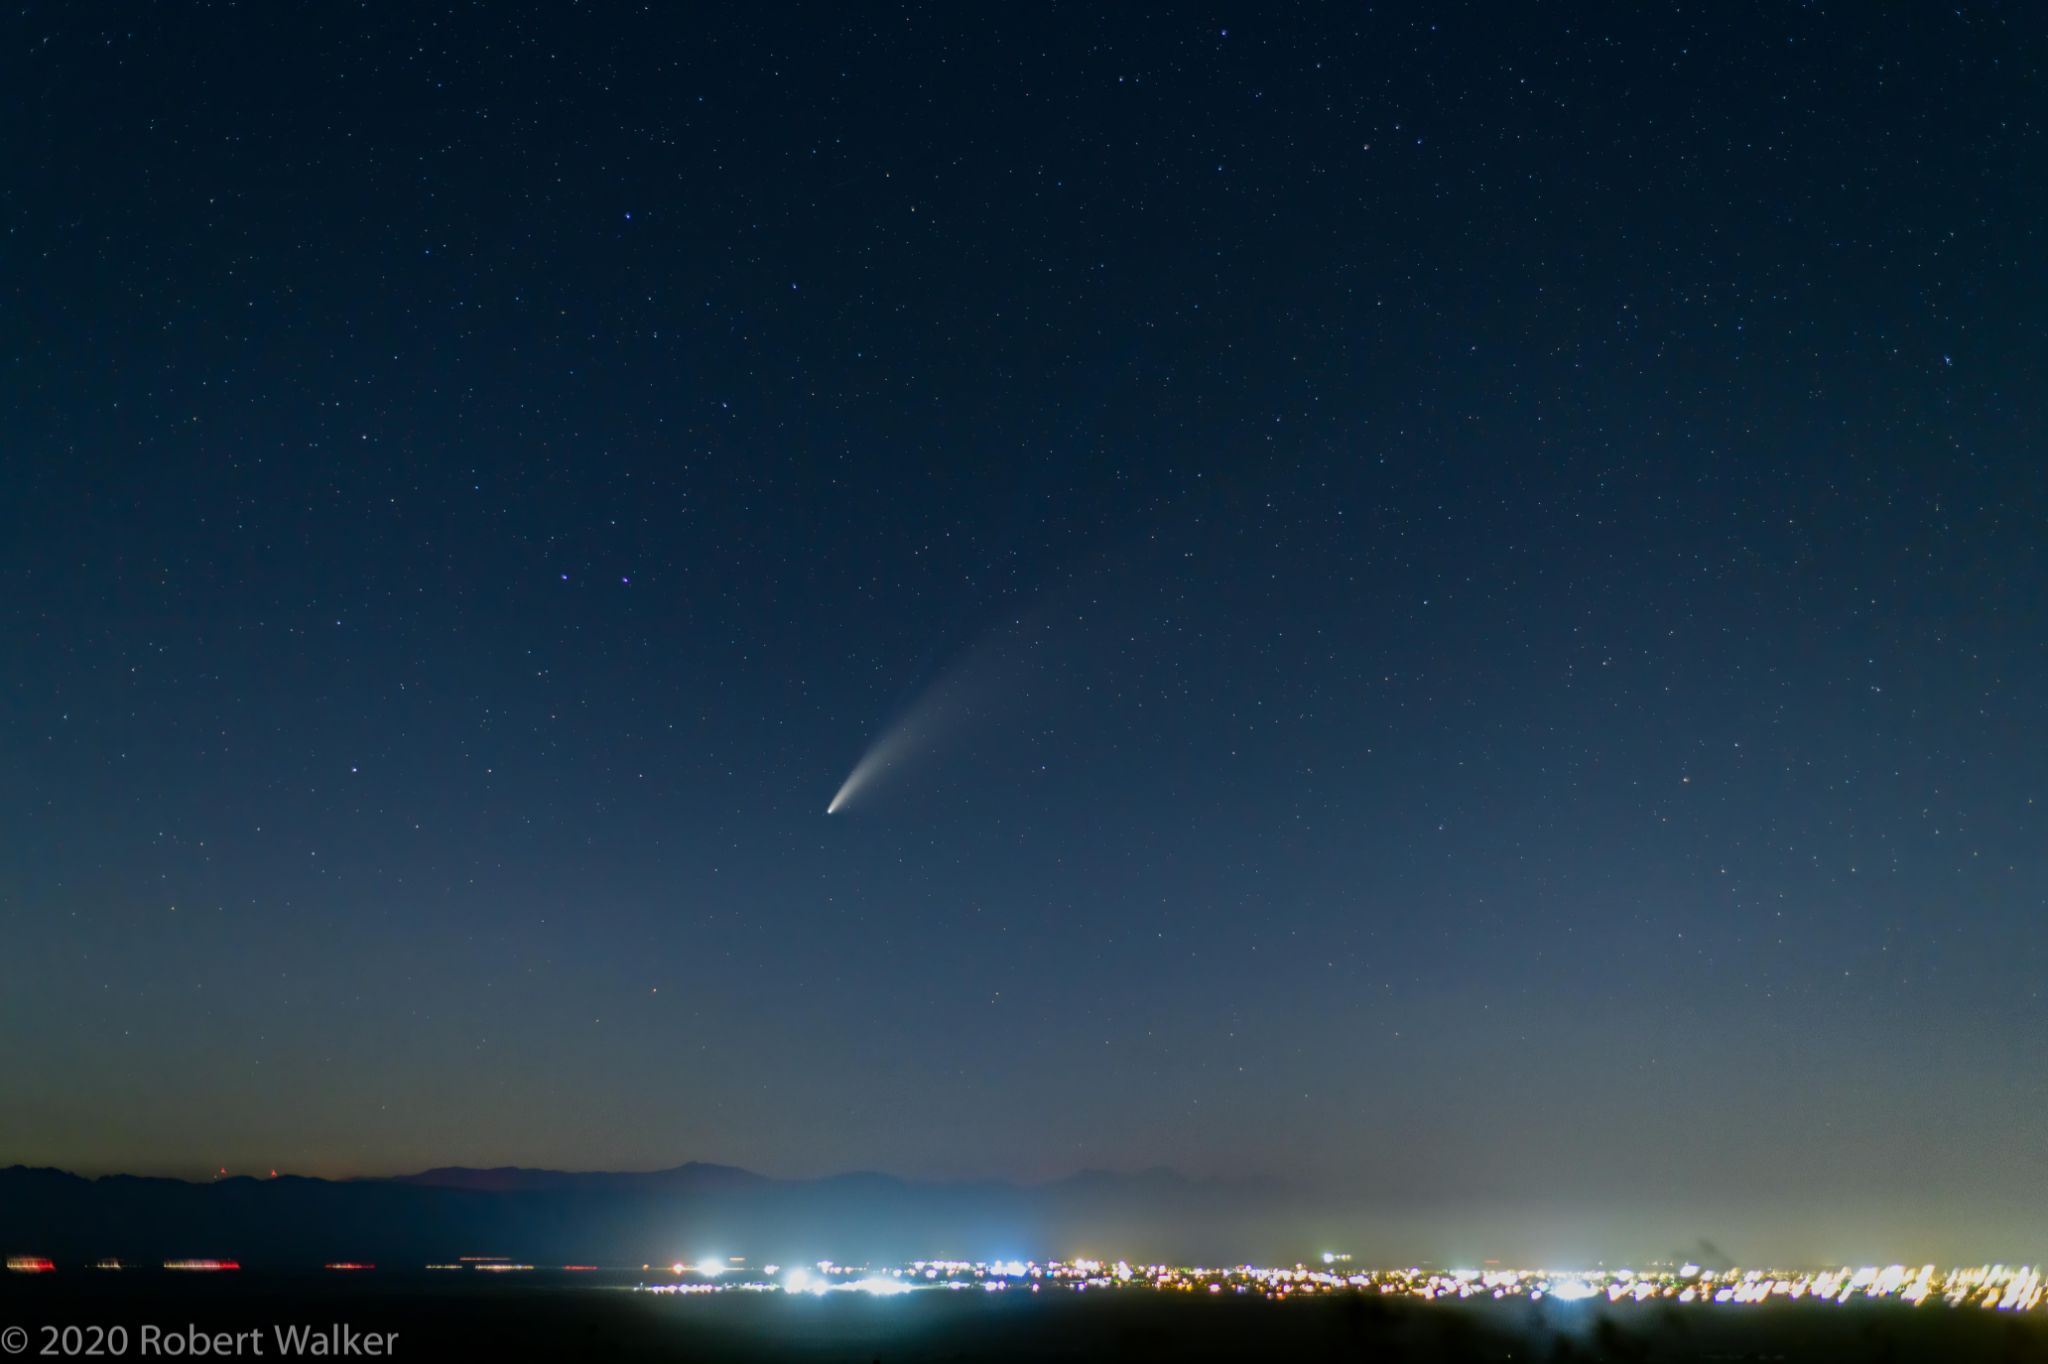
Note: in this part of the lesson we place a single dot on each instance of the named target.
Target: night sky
(1459, 592)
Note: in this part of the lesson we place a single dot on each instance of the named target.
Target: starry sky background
(1495, 556)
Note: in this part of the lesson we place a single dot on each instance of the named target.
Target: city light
(1998, 1287)
(880, 1287)
(1992, 1286)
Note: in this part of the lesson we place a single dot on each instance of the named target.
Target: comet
(937, 713)
(881, 755)
(983, 682)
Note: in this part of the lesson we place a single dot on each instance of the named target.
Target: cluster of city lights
(2011, 1288)
(2000, 1287)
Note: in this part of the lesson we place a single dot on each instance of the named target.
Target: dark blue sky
(1487, 564)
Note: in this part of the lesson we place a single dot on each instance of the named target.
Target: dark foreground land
(537, 1318)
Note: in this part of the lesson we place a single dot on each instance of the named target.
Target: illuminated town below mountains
(1997, 1287)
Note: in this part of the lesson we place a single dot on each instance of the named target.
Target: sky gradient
(1464, 586)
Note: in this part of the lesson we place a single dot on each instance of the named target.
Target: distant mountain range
(690, 1212)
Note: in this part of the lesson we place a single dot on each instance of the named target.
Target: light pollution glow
(2001, 1287)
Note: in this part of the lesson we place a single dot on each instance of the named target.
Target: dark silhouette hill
(688, 1212)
